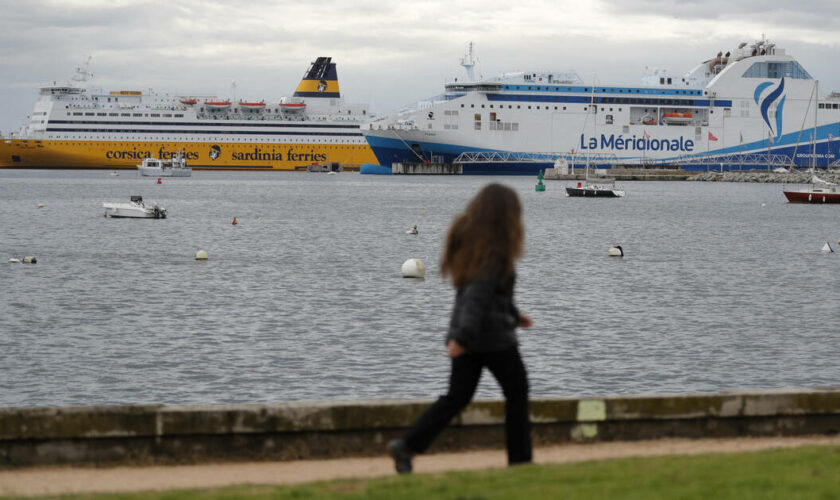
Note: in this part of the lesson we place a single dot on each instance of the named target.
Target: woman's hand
(454, 349)
(525, 321)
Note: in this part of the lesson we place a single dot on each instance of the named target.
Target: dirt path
(61, 480)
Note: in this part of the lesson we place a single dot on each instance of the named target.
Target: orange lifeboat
(293, 106)
(677, 117)
(252, 105)
(217, 104)
(189, 102)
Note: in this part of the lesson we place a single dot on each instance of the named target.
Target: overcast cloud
(389, 53)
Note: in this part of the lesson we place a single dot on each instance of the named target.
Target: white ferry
(78, 126)
(752, 107)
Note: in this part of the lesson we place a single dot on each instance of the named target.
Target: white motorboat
(135, 209)
(173, 167)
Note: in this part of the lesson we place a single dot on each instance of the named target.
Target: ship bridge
(60, 90)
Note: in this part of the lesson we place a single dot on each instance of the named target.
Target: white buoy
(616, 251)
(14, 260)
(201, 255)
(413, 268)
(826, 248)
(29, 260)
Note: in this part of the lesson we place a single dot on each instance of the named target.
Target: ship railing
(749, 161)
(573, 158)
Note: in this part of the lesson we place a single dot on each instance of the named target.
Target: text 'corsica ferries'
(77, 126)
(753, 106)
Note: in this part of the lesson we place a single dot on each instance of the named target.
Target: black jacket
(485, 318)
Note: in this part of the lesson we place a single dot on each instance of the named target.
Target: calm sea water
(723, 286)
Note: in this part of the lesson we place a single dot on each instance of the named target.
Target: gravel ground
(64, 480)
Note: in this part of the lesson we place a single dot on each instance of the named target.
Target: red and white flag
(830, 137)
(712, 136)
(646, 135)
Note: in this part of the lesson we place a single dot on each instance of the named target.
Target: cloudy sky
(389, 52)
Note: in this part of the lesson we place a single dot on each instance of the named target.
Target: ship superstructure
(751, 106)
(78, 126)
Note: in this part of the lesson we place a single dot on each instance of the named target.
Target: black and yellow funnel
(321, 80)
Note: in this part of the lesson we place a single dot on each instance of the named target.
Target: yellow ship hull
(30, 153)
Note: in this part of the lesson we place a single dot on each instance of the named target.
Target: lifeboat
(648, 120)
(189, 102)
(217, 104)
(251, 106)
(293, 106)
(677, 117)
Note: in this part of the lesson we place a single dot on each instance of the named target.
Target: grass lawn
(808, 472)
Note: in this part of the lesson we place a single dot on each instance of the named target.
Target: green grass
(808, 472)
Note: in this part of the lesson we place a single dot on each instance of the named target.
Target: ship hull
(812, 197)
(126, 154)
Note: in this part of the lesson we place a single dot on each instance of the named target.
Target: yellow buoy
(40, 205)
(201, 255)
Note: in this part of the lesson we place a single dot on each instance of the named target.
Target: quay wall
(156, 434)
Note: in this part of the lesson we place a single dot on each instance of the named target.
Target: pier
(416, 168)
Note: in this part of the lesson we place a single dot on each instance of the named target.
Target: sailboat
(599, 188)
(603, 187)
(820, 191)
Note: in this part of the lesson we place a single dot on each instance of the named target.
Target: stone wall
(190, 434)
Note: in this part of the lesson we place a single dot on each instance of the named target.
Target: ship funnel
(321, 80)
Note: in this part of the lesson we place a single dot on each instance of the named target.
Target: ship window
(789, 69)
(88, 114)
(822, 106)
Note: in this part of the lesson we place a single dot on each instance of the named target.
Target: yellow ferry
(76, 126)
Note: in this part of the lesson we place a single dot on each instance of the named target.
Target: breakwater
(189, 434)
(795, 177)
(620, 173)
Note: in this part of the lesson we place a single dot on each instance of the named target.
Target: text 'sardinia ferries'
(78, 126)
(739, 110)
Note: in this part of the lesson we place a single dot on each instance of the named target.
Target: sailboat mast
(816, 110)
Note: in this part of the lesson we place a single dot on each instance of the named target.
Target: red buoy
(579, 184)
(159, 180)
(235, 222)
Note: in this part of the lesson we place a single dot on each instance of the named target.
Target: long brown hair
(488, 236)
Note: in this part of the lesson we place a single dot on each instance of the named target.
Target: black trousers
(509, 371)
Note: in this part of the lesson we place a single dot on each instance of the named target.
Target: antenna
(468, 62)
(82, 74)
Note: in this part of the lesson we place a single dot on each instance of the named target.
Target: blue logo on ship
(768, 101)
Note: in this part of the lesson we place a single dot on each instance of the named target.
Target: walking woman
(481, 247)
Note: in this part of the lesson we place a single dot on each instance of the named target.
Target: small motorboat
(135, 209)
(173, 167)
